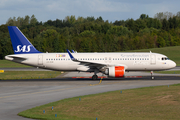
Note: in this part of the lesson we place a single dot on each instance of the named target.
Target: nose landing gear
(152, 75)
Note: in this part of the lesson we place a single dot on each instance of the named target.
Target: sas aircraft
(110, 64)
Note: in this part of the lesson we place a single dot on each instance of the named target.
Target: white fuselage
(62, 61)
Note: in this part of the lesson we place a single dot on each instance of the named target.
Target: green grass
(28, 74)
(10, 64)
(168, 72)
(151, 103)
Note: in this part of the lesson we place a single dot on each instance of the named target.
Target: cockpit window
(165, 58)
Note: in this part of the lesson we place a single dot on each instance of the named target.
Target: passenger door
(40, 59)
(153, 59)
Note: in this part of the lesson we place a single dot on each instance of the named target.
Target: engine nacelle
(116, 71)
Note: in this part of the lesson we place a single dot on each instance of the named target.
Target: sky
(110, 10)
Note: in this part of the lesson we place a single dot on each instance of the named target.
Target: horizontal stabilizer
(11, 57)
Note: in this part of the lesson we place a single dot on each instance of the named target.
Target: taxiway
(17, 96)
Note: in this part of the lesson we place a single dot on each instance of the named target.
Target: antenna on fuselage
(150, 52)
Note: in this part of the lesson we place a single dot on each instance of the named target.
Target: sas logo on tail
(23, 48)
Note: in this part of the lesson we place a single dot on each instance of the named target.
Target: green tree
(33, 20)
(144, 16)
(161, 42)
(165, 25)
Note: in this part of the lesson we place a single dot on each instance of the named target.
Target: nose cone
(173, 64)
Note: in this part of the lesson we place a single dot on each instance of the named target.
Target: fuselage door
(153, 59)
(40, 59)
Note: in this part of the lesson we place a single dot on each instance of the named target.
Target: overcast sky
(109, 9)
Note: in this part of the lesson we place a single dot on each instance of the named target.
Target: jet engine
(115, 71)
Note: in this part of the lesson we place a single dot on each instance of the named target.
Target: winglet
(71, 56)
(72, 51)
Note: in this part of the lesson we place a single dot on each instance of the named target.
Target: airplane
(112, 64)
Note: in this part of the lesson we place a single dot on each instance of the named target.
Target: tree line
(95, 34)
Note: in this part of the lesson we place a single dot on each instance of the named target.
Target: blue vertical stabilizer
(20, 43)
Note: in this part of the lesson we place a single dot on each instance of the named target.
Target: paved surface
(17, 96)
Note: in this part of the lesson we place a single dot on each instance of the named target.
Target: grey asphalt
(17, 96)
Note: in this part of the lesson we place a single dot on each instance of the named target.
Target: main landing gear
(94, 77)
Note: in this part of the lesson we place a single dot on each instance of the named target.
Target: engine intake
(116, 71)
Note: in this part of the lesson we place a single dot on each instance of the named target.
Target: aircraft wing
(86, 63)
(92, 64)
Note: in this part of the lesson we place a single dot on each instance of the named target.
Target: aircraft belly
(64, 66)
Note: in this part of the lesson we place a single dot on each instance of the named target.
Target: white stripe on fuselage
(131, 61)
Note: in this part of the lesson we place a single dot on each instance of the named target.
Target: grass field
(28, 74)
(10, 64)
(151, 103)
(172, 52)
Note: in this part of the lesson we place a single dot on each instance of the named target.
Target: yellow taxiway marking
(97, 84)
(41, 92)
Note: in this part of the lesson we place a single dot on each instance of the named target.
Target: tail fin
(20, 43)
